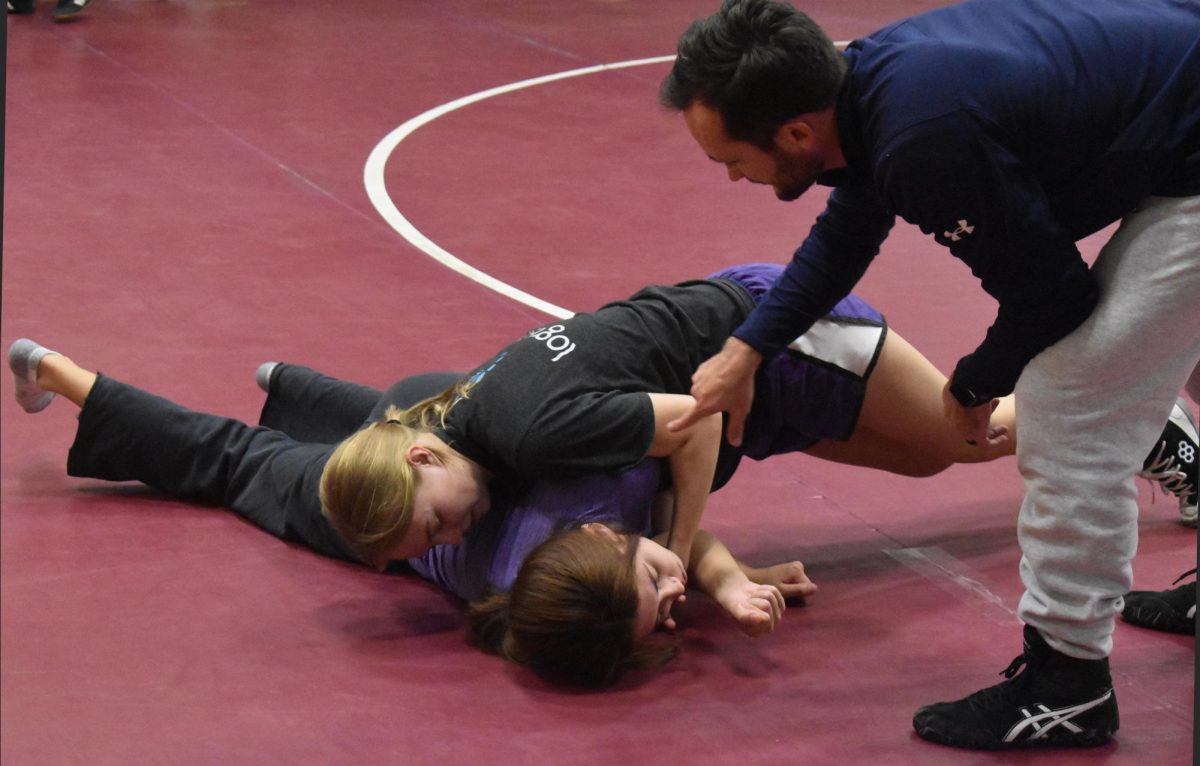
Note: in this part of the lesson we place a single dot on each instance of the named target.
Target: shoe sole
(1086, 739)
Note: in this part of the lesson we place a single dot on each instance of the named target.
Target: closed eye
(653, 577)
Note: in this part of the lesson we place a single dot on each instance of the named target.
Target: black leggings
(269, 474)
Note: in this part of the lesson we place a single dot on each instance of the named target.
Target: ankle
(52, 370)
(59, 374)
(1073, 670)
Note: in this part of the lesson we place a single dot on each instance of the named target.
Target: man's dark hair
(758, 63)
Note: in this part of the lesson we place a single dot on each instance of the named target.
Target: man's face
(790, 167)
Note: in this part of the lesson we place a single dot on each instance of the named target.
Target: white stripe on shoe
(1046, 721)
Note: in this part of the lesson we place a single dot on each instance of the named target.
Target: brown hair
(367, 484)
(570, 613)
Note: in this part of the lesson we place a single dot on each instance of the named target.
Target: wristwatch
(966, 397)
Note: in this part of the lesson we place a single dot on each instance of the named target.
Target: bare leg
(902, 429)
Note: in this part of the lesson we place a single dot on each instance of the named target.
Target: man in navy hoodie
(1008, 130)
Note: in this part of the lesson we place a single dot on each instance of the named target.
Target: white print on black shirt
(554, 341)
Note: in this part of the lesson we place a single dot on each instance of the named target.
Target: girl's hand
(790, 578)
(756, 608)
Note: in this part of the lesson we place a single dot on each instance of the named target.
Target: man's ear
(600, 531)
(794, 136)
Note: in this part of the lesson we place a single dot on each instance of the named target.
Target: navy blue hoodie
(1007, 129)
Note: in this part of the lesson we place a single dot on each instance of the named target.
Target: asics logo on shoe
(1039, 721)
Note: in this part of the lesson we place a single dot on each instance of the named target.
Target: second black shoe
(1171, 610)
(1174, 462)
(69, 9)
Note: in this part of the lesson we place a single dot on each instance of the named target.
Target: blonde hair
(367, 484)
(571, 613)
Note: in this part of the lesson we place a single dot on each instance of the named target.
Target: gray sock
(263, 375)
(24, 356)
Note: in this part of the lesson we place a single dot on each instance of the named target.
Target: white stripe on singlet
(849, 346)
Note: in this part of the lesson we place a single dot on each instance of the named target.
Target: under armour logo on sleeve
(964, 229)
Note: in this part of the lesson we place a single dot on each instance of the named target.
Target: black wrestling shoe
(1057, 701)
(20, 6)
(1173, 461)
(69, 9)
(1171, 610)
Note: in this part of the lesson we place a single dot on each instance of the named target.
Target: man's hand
(972, 422)
(725, 383)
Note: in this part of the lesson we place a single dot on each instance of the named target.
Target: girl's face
(660, 576)
(449, 498)
(661, 581)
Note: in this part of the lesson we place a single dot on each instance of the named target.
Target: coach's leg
(1090, 408)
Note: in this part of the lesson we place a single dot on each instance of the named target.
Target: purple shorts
(813, 389)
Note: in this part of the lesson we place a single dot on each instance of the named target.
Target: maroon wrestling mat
(187, 195)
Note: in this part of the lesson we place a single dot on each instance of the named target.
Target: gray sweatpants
(1090, 407)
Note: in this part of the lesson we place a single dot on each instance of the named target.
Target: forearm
(1026, 324)
(712, 565)
(831, 260)
(692, 457)
(692, 467)
(755, 607)
(753, 574)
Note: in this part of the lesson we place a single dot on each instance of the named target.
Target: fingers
(733, 432)
(761, 610)
(777, 603)
(755, 623)
(790, 578)
(723, 383)
(971, 423)
(796, 583)
(697, 412)
(979, 428)
(997, 436)
(668, 621)
(797, 589)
